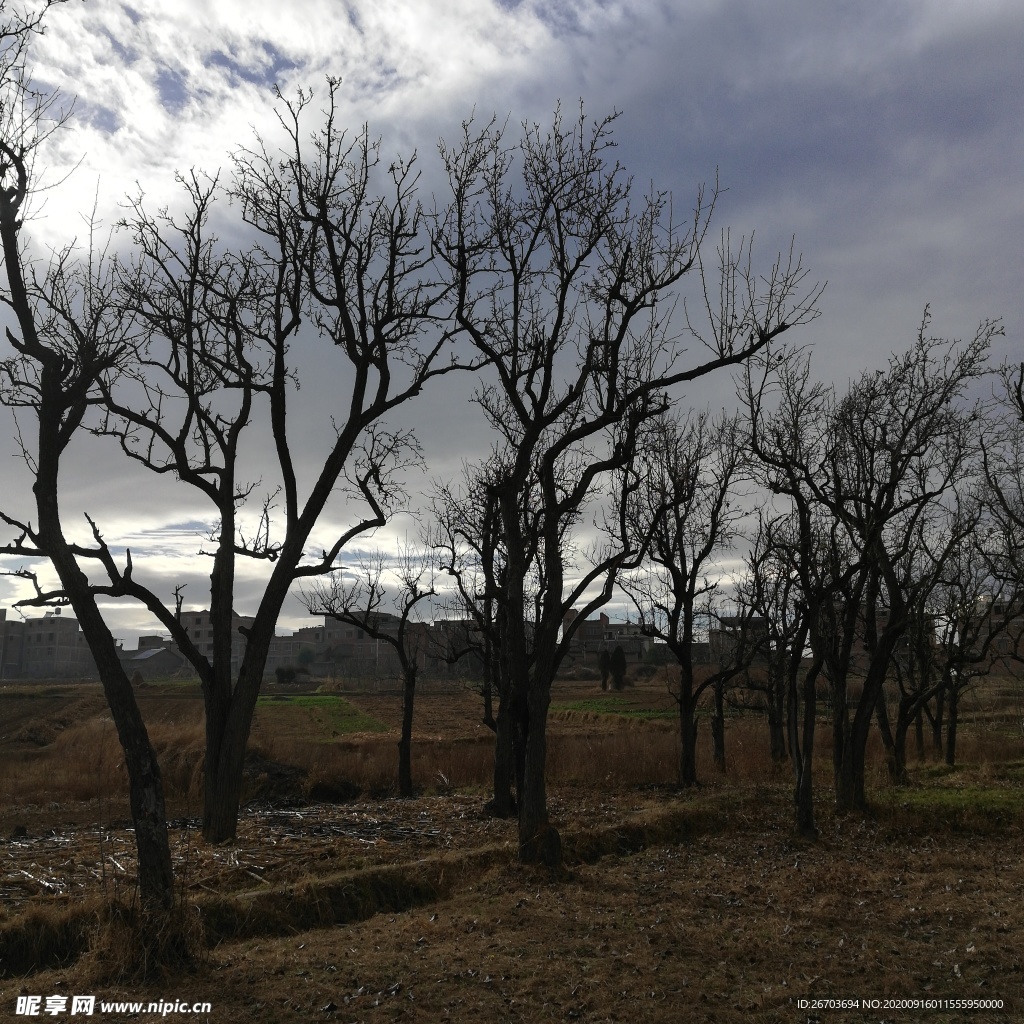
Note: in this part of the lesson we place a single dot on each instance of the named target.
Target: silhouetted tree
(683, 513)
(879, 462)
(359, 603)
(770, 588)
(470, 548)
(560, 274)
(70, 341)
(342, 244)
(604, 666)
(789, 586)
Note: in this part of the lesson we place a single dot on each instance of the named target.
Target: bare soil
(737, 922)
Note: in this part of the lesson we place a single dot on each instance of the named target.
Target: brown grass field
(338, 902)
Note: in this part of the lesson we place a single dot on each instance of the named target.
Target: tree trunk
(146, 793)
(520, 734)
(803, 795)
(776, 706)
(489, 670)
(895, 759)
(687, 732)
(898, 763)
(501, 804)
(539, 841)
(919, 734)
(951, 724)
(718, 728)
(937, 722)
(145, 785)
(842, 744)
(870, 706)
(405, 742)
(857, 747)
(227, 732)
(222, 792)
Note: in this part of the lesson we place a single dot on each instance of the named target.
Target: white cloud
(166, 87)
(886, 134)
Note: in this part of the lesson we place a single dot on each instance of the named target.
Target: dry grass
(696, 905)
(76, 753)
(82, 759)
(109, 941)
(733, 920)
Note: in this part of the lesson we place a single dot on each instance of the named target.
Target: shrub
(617, 667)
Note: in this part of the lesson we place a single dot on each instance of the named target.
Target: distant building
(152, 662)
(12, 643)
(738, 635)
(592, 636)
(199, 624)
(53, 647)
(1004, 623)
(457, 647)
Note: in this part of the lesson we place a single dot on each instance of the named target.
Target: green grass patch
(969, 807)
(331, 715)
(611, 706)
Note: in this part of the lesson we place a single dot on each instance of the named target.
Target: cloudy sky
(886, 135)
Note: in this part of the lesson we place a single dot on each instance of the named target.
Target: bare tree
(878, 462)
(69, 341)
(214, 356)
(471, 551)
(770, 588)
(792, 584)
(360, 602)
(949, 640)
(684, 513)
(561, 276)
(999, 614)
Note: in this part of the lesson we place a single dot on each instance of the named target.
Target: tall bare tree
(947, 641)
(878, 461)
(770, 588)
(792, 585)
(469, 545)
(685, 513)
(561, 275)
(70, 340)
(342, 244)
